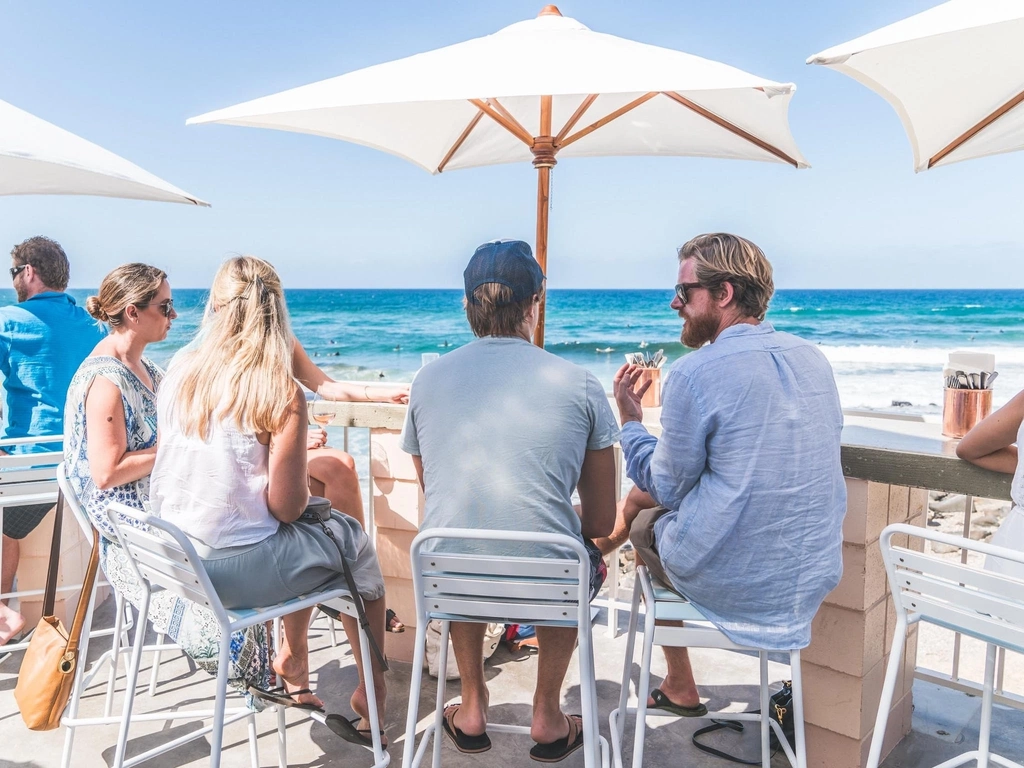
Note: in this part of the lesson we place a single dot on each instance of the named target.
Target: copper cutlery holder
(963, 408)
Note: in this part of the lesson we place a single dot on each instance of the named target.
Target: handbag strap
(350, 581)
(88, 581)
(50, 593)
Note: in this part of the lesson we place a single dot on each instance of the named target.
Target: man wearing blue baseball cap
(501, 432)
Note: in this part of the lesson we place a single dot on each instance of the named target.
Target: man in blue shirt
(743, 493)
(43, 340)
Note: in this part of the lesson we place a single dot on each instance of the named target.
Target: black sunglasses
(165, 307)
(683, 288)
(16, 270)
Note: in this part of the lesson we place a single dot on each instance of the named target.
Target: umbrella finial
(549, 10)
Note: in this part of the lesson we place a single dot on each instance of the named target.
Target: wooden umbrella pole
(543, 160)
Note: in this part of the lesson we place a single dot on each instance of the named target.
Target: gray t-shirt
(502, 428)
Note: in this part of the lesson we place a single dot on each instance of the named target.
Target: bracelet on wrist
(366, 392)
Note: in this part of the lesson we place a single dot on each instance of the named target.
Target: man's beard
(699, 330)
(22, 293)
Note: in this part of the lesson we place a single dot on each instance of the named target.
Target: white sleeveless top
(215, 490)
(1010, 533)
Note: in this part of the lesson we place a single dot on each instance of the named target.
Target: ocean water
(884, 346)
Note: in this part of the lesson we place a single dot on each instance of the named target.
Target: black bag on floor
(781, 708)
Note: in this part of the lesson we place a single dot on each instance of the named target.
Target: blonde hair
(240, 366)
(130, 284)
(723, 258)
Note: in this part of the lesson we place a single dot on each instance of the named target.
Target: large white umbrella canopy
(954, 74)
(38, 158)
(535, 90)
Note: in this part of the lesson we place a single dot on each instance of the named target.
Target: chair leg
(132, 679)
(282, 739)
(627, 668)
(415, 685)
(370, 684)
(588, 693)
(985, 733)
(254, 750)
(156, 664)
(644, 686)
(766, 752)
(442, 685)
(219, 705)
(76, 691)
(115, 653)
(892, 671)
(797, 676)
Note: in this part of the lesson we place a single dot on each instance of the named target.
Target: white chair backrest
(28, 474)
(72, 502)
(524, 590)
(162, 557)
(971, 600)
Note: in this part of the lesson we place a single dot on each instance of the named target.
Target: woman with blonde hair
(110, 442)
(232, 474)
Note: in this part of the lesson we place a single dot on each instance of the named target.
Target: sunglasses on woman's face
(165, 308)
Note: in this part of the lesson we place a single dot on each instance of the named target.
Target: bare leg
(292, 660)
(11, 622)
(375, 615)
(468, 644)
(332, 474)
(556, 646)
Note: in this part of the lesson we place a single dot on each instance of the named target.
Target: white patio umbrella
(954, 74)
(535, 90)
(38, 158)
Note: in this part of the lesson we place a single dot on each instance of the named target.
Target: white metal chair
(162, 557)
(28, 478)
(978, 603)
(552, 592)
(123, 622)
(663, 604)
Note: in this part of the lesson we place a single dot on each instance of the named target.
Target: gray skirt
(297, 560)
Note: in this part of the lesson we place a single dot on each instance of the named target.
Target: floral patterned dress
(192, 627)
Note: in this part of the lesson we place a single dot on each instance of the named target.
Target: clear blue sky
(329, 214)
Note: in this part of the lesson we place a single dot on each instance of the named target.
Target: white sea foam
(915, 354)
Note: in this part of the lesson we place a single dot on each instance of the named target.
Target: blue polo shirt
(43, 340)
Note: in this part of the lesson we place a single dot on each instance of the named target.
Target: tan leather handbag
(48, 668)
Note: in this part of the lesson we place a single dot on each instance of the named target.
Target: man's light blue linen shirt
(748, 465)
(43, 340)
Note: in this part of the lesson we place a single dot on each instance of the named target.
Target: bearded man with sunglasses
(739, 504)
(43, 340)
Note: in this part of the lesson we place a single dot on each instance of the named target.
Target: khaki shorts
(641, 534)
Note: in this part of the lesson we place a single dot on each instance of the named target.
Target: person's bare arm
(990, 444)
(110, 463)
(287, 486)
(597, 493)
(315, 380)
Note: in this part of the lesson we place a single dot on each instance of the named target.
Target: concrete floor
(945, 722)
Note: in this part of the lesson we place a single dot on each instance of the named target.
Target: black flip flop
(663, 702)
(283, 698)
(346, 729)
(558, 750)
(470, 745)
(391, 616)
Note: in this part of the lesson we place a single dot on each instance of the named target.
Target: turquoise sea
(884, 346)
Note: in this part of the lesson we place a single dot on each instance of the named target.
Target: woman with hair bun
(232, 414)
(110, 445)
